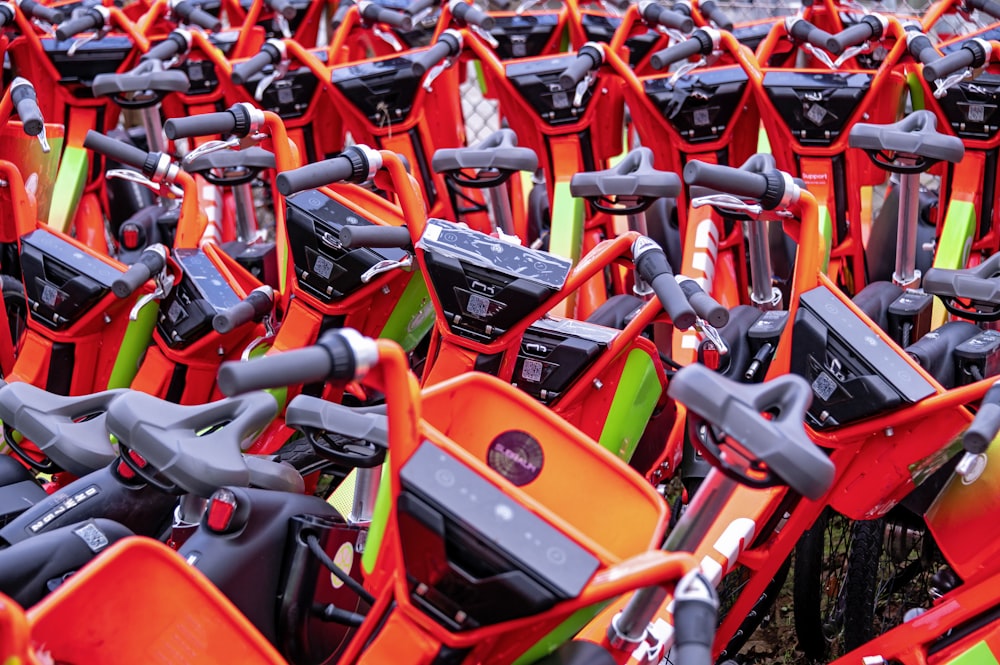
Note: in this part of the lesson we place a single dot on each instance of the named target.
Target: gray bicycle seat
(269, 474)
(253, 158)
(197, 448)
(498, 151)
(916, 135)
(70, 431)
(633, 176)
(147, 75)
(367, 423)
(780, 443)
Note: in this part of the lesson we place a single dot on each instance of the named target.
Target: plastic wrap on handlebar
(192, 14)
(50, 15)
(953, 62)
(986, 424)
(269, 55)
(445, 46)
(121, 152)
(205, 124)
(257, 303)
(713, 12)
(150, 263)
(26, 102)
(310, 176)
(700, 42)
(89, 19)
(859, 33)
(726, 179)
(652, 266)
(307, 365)
(704, 305)
(470, 15)
(378, 14)
(375, 236)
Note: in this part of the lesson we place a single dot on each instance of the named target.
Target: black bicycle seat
(914, 136)
(194, 449)
(633, 182)
(70, 431)
(758, 451)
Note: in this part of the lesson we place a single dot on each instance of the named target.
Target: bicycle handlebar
(51, 15)
(973, 53)
(22, 94)
(703, 304)
(237, 119)
(699, 42)
(804, 31)
(449, 44)
(652, 265)
(379, 14)
(90, 18)
(356, 164)
(338, 354)
(656, 14)
(588, 58)
(118, 151)
(468, 14)
(151, 261)
(920, 47)
(990, 7)
(870, 27)
(271, 53)
(713, 12)
(192, 14)
(254, 307)
(176, 42)
(986, 424)
(352, 237)
(283, 7)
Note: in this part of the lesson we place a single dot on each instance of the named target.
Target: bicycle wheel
(730, 589)
(817, 585)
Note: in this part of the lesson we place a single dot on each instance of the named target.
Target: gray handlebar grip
(51, 15)
(704, 305)
(378, 14)
(990, 7)
(986, 424)
(205, 124)
(254, 307)
(310, 176)
(868, 28)
(466, 13)
(587, 59)
(174, 43)
(283, 7)
(268, 55)
(713, 12)
(375, 237)
(306, 365)
(655, 14)
(22, 94)
(119, 151)
(446, 45)
(88, 19)
(971, 54)
(652, 265)
(922, 49)
(696, 615)
(699, 43)
(726, 179)
(804, 31)
(192, 14)
(150, 263)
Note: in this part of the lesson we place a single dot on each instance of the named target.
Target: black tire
(820, 566)
(300, 454)
(860, 588)
(730, 589)
(16, 304)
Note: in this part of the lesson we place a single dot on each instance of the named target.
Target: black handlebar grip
(700, 42)
(119, 151)
(696, 615)
(205, 124)
(446, 45)
(7, 13)
(174, 43)
(51, 15)
(88, 19)
(713, 12)
(652, 265)
(990, 7)
(704, 305)
(468, 14)
(258, 302)
(150, 263)
(868, 28)
(22, 94)
(379, 14)
(726, 179)
(269, 55)
(587, 59)
(655, 14)
(192, 14)
(310, 176)
(986, 424)
(971, 54)
(375, 237)
(922, 49)
(804, 31)
(283, 7)
(310, 364)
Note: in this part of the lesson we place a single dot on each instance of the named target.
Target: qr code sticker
(531, 371)
(824, 386)
(50, 295)
(94, 537)
(977, 113)
(701, 117)
(323, 267)
(816, 113)
(479, 306)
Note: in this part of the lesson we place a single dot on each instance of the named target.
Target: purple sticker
(517, 456)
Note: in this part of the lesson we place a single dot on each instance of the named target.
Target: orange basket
(139, 602)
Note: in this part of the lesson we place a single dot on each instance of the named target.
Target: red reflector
(709, 355)
(221, 507)
(137, 458)
(130, 236)
(125, 471)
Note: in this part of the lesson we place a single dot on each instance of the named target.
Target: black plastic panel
(554, 352)
(523, 36)
(699, 106)
(382, 90)
(973, 107)
(602, 28)
(538, 82)
(816, 106)
(103, 56)
(289, 96)
(186, 313)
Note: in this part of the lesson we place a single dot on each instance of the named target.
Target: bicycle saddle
(70, 431)
(769, 450)
(194, 449)
(915, 135)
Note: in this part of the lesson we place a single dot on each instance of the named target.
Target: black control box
(554, 352)
(202, 292)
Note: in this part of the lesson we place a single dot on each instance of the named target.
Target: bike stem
(763, 294)
(499, 203)
(906, 275)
